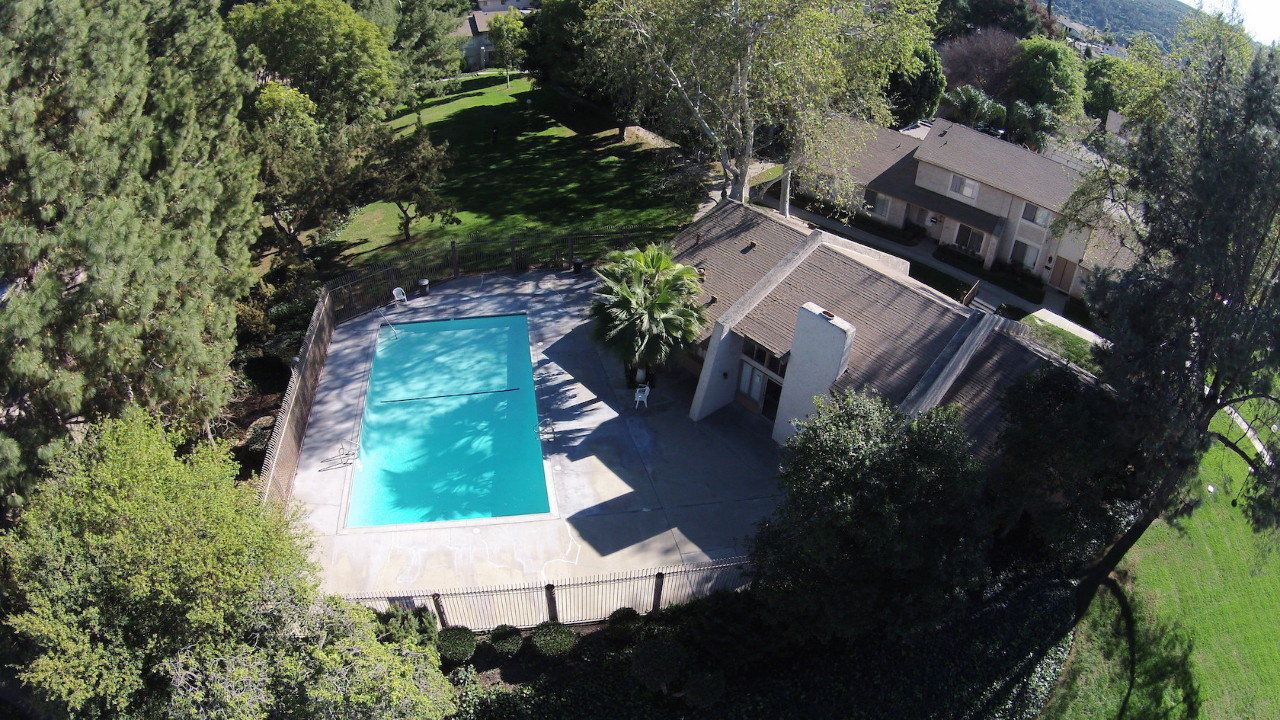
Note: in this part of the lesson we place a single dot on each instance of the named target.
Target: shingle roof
(898, 328)
(475, 24)
(1002, 165)
(1000, 362)
(886, 162)
(721, 243)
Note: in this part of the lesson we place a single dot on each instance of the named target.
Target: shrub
(658, 662)
(506, 640)
(457, 643)
(553, 640)
(623, 624)
(409, 624)
(704, 689)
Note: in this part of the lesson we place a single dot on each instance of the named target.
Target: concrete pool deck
(630, 488)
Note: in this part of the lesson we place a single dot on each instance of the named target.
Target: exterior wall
(895, 213)
(476, 50)
(718, 381)
(819, 353)
(988, 199)
(501, 5)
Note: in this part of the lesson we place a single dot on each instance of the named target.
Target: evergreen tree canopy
(424, 43)
(1194, 323)
(126, 211)
(145, 585)
(882, 527)
(336, 57)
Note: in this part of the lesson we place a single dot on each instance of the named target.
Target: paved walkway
(630, 488)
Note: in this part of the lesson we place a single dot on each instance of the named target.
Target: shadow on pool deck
(634, 488)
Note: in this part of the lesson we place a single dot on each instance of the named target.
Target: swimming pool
(450, 425)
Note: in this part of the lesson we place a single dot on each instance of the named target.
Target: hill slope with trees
(1126, 18)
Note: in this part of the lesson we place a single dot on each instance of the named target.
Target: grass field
(528, 164)
(1212, 578)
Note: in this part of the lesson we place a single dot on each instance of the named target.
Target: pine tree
(126, 210)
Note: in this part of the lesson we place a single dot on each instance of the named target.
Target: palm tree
(646, 307)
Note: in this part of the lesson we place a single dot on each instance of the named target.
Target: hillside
(1126, 18)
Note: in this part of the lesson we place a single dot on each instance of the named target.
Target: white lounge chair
(399, 296)
(642, 396)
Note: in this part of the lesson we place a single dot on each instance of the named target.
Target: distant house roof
(1000, 164)
(477, 23)
(901, 326)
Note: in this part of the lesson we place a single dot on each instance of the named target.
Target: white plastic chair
(399, 296)
(642, 396)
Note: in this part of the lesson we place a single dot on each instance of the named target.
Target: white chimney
(819, 353)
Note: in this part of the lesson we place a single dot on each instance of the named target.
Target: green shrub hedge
(553, 640)
(404, 624)
(623, 624)
(704, 689)
(457, 644)
(658, 662)
(506, 640)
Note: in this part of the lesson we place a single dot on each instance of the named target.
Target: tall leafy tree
(882, 527)
(309, 173)
(916, 96)
(1048, 73)
(126, 211)
(1194, 322)
(324, 49)
(1108, 85)
(147, 585)
(558, 43)
(646, 306)
(724, 71)
(409, 177)
(508, 35)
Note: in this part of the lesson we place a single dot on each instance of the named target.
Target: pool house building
(799, 313)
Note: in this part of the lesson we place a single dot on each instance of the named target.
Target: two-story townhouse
(991, 199)
(475, 30)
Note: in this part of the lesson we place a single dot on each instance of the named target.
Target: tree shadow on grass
(1127, 664)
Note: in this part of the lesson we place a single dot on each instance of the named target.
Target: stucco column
(719, 378)
(819, 353)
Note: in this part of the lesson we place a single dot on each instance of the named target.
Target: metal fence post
(453, 254)
(658, 579)
(435, 600)
(553, 613)
(570, 256)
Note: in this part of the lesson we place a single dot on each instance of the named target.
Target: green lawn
(552, 168)
(1218, 581)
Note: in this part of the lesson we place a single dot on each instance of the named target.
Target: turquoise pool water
(450, 426)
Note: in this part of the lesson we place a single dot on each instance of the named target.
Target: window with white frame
(969, 239)
(876, 204)
(964, 187)
(1035, 214)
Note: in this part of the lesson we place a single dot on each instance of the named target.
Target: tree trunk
(784, 193)
(406, 220)
(1100, 569)
(291, 236)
